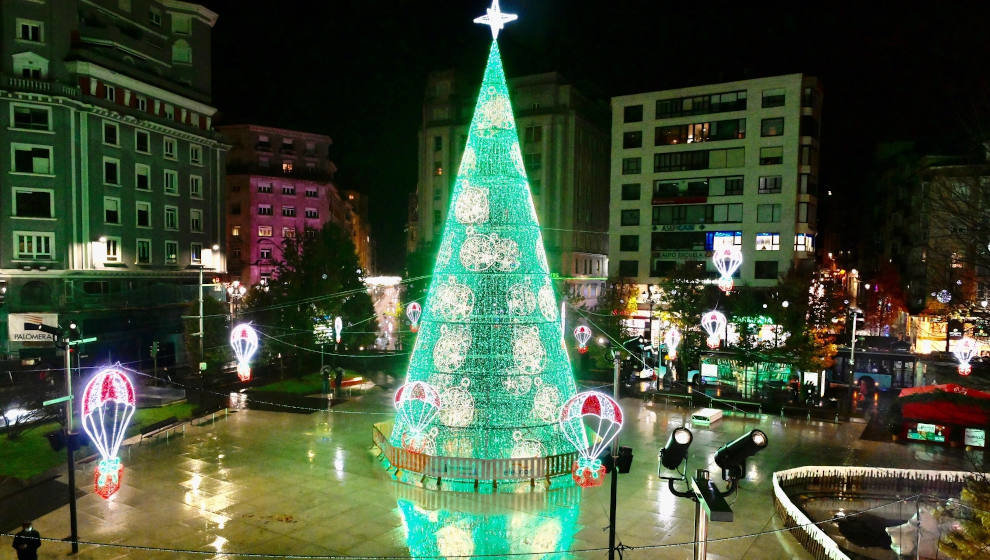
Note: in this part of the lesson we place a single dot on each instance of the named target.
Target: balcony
(304, 173)
(46, 87)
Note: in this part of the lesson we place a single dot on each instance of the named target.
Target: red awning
(947, 388)
(938, 411)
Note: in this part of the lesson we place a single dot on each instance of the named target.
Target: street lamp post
(850, 379)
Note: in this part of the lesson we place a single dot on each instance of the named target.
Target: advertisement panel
(17, 333)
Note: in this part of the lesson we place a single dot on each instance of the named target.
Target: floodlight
(732, 456)
(675, 451)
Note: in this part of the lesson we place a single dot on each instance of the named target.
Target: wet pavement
(308, 484)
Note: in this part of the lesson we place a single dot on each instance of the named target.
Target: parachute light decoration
(583, 334)
(727, 261)
(108, 403)
(964, 352)
(338, 327)
(244, 341)
(413, 312)
(672, 339)
(602, 415)
(714, 324)
(417, 404)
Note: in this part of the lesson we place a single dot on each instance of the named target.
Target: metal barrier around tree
(495, 471)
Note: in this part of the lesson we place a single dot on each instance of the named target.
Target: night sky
(356, 69)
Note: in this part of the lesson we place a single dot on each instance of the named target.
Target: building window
(312, 193)
(111, 134)
(806, 213)
(534, 162)
(235, 208)
(172, 217)
(767, 241)
(699, 159)
(264, 231)
(31, 118)
(632, 139)
(773, 98)
(772, 155)
(533, 134)
(265, 210)
(629, 243)
(437, 143)
(286, 167)
(154, 16)
(804, 243)
(168, 148)
(717, 240)
(288, 232)
(265, 254)
(143, 218)
(266, 188)
(768, 213)
(34, 245)
(33, 203)
(766, 270)
(142, 104)
(732, 129)
(111, 210)
(181, 24)
(142, 142)
(264, 162)
(630, 191)
(196, 220)
(195, 186)
(142, 177)
(808, 155)
(733, 186)
(143, 251)
(289, 190)
(195, 154)
(111, 171)
(289, 211)
(630, 217)
(628, 269)
(169, 110)
(109, 93)
(195, 253)
(772, 127)
(807, 185)
(312, 213)
(632, 113)
(112, 251)
(632, 166)
(171, 181)
(437, 218)
(171, 252)
(702, 104)
(181, 52)
(28, 30)
(770, 184)
(36, 160)
(235, 231)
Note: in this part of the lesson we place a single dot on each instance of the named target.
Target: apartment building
(360, 228)
(279, 186)
(112, 170)
(564, 142)
(697, 168)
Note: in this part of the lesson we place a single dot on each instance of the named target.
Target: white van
(706, 416)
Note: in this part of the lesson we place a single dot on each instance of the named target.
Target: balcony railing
(303, 173)
(40, 86)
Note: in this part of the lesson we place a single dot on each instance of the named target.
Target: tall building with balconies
(564, 142)
(697, 168)
(111, 168)
(279, 186)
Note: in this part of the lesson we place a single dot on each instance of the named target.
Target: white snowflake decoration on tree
(546, 403)
(495, 113)
(451, 348)
(446, 251)
(541, 255)
(441, 381)
(506, 253)
(548, 305)
(477, 252)
(520, 299)
(471, 206)
(457, 408)
(523, 448)
(517, 385)
(453, 300)
(468, 161)
(528, 351)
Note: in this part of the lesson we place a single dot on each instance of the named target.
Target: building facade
(697, 168)
(564, 142)
(360, 229)
(112, 170)
(279, 186)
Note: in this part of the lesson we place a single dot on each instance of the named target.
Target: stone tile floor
(307, 484)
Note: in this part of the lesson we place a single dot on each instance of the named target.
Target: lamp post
(850, 379)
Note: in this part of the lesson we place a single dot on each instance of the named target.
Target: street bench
(211, 417)
(165, 426)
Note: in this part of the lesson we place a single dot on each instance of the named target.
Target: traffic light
(154, 349)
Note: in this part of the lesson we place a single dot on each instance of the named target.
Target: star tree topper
(495, 18)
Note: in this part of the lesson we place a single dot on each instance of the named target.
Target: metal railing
(851, 480)
(471, 469)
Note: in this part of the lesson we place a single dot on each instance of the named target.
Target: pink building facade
(279, 185)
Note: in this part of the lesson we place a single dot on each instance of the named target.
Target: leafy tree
(969, 538)
(685, 298)
(216, 342)
(613, 307)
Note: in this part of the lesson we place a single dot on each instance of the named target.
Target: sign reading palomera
(17, 332)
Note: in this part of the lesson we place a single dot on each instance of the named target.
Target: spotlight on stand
(732, 456)
(675, 451)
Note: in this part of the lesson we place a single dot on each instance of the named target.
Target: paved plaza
(286, 483)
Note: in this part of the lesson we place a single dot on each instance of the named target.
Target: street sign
(56, 401)
(202, 366)
(82, 341)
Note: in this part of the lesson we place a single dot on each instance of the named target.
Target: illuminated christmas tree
(490, 340)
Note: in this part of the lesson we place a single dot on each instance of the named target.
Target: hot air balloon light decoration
(964, 352)
(727, 261)
(244, 341)
(602, 415)
(714, 324)
(108, 403)
(672, 339)
(413, 311)
(583, 334)
(338, 326)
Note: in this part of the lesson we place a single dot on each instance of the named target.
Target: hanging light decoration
(586, 412)
(417, 404)
(338, 326)
(964, 352)
(943, 296)
(583, 334)
(714, 324)
(727, 261)
(671, 339)
(108, 404)
(413, 311)
(244, 341)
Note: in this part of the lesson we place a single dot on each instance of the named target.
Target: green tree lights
(490, 341)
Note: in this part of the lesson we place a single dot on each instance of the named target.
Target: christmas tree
(490, 341)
